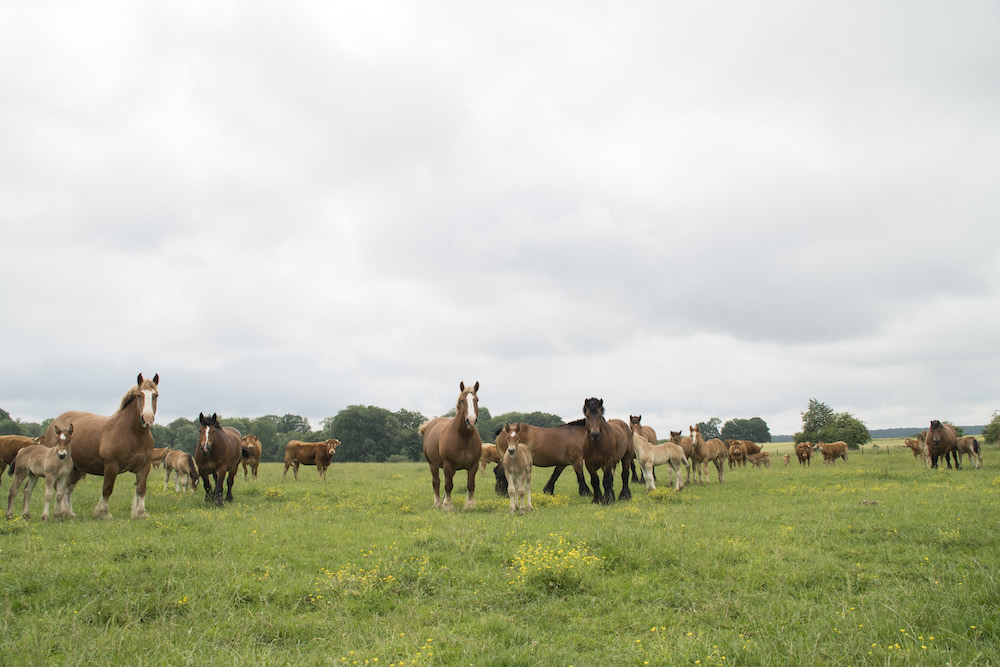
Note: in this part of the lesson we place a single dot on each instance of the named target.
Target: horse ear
(156, 379)
(476, 388)
(461, 385)
(201, 419)
(138, 380)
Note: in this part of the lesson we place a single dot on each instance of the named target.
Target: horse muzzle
(62, 455)
(595, 436)
(512, 451)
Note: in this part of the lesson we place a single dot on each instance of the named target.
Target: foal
(517, 467)
(54, 464)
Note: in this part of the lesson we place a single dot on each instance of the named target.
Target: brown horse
(517, 469)
(252, 443)
(185, 468)
(557, 447)
(684, 442)
(942, 441)
(54, 464)
(159, 453)
(219, 452)
(10, 445)
(703, 451)
(647, 432)
(607, 444)
(112, 445)
(453, 443)
(969, 445)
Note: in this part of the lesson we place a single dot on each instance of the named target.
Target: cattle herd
(78, 443)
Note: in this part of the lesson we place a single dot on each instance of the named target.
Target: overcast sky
(690, 209)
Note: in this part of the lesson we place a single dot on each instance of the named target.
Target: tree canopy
(754, 430)
(820, 423)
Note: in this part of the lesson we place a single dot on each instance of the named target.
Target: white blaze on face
(470, 413)
(148, 412)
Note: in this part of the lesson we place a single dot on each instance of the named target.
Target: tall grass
(878, 561)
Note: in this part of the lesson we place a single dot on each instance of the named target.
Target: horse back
(561, 445)
(98, 439)
(444, 439)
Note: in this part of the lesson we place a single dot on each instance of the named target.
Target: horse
(10, 445)
(453, 443)
(969, 445)
(489, 455)
(558, 447)
(607, 443)
(251, 442)
(761, 459)
(517, 469)
(54, 464)
(109, 446)
(942, 441)
(702, 452)
(649, 455)
(684, 442)
(159, 453)
(219, 452)
(186, 470)
(647, 432)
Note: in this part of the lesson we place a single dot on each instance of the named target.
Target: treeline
(366, 433)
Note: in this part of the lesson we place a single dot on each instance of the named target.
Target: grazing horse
(517, 468)
(489, 455)
(10, 445)
(159, 453)
(557, 447)
(109, 446)
(252, 443)
(942, 441)
(649, 455)
(453, 443)
(219, 452)
(607, 444)
(702, 452)
(969, 445)
(54, 464)
(185, 468)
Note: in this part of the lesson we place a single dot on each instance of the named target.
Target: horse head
(468, 404)
(206, 432)
(593, 412)
(63, 440)
(147, 390)
(695, 434)
(935, 430)
(510, 433)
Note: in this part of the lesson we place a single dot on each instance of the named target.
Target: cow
(833, 451)
(316, 454)
(916, 446)
(252, 443)
(10, 445)
(803, 451)
(737, 453)
(786, 458)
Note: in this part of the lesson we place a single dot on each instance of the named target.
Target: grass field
(877, 561)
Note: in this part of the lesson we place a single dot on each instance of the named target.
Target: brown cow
(804, 451)
(833, 451)
(252, 443)
(316, 454)
(10, 445)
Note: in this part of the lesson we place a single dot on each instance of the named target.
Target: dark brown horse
(942, 441)
(557, 447)
(607, 444)
(219, 453)
(112, 445)
(453, 443)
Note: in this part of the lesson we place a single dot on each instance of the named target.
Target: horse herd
(77, 443)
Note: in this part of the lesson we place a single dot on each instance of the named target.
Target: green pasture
(876, 561)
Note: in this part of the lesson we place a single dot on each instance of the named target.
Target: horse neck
(128, 418)
(458, 423)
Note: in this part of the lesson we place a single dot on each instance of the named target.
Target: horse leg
(217, 496)
(647, 474)
(550, 486)
(720, 467)
(470, 501)
(229, 485)
(15, 486)
(609, 485)
(139, 500)
(596, 484)
(501, 485)
(50, 483)
(527, 489)
(449, 484)
(206, 481)
(61, 497)
(511, 491)
(110, 475)
(436, 483)
(74, 477)
(626, 493)
(28, 488)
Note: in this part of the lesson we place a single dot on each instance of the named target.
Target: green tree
(820, 423)
(185, 434)
(710, 429)
(991, 434)
(290, 423)
(754, 429)
(370, 433)
(816, 417)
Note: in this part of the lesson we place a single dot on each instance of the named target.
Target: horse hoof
(143, 516)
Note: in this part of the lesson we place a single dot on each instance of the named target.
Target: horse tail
(684, 461)
(975, 445)
(10, 471)
(194, 466)
(422, 427)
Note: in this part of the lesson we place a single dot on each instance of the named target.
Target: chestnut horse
(112, 445)
(185, 468)
(607, 444)
(453, 443)
(703, 451)
(517, 469)
(35, 461)
(557, 447)
(219, 452)
(942, 441)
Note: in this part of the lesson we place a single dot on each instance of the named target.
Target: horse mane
(577, 422)
(130, 396)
